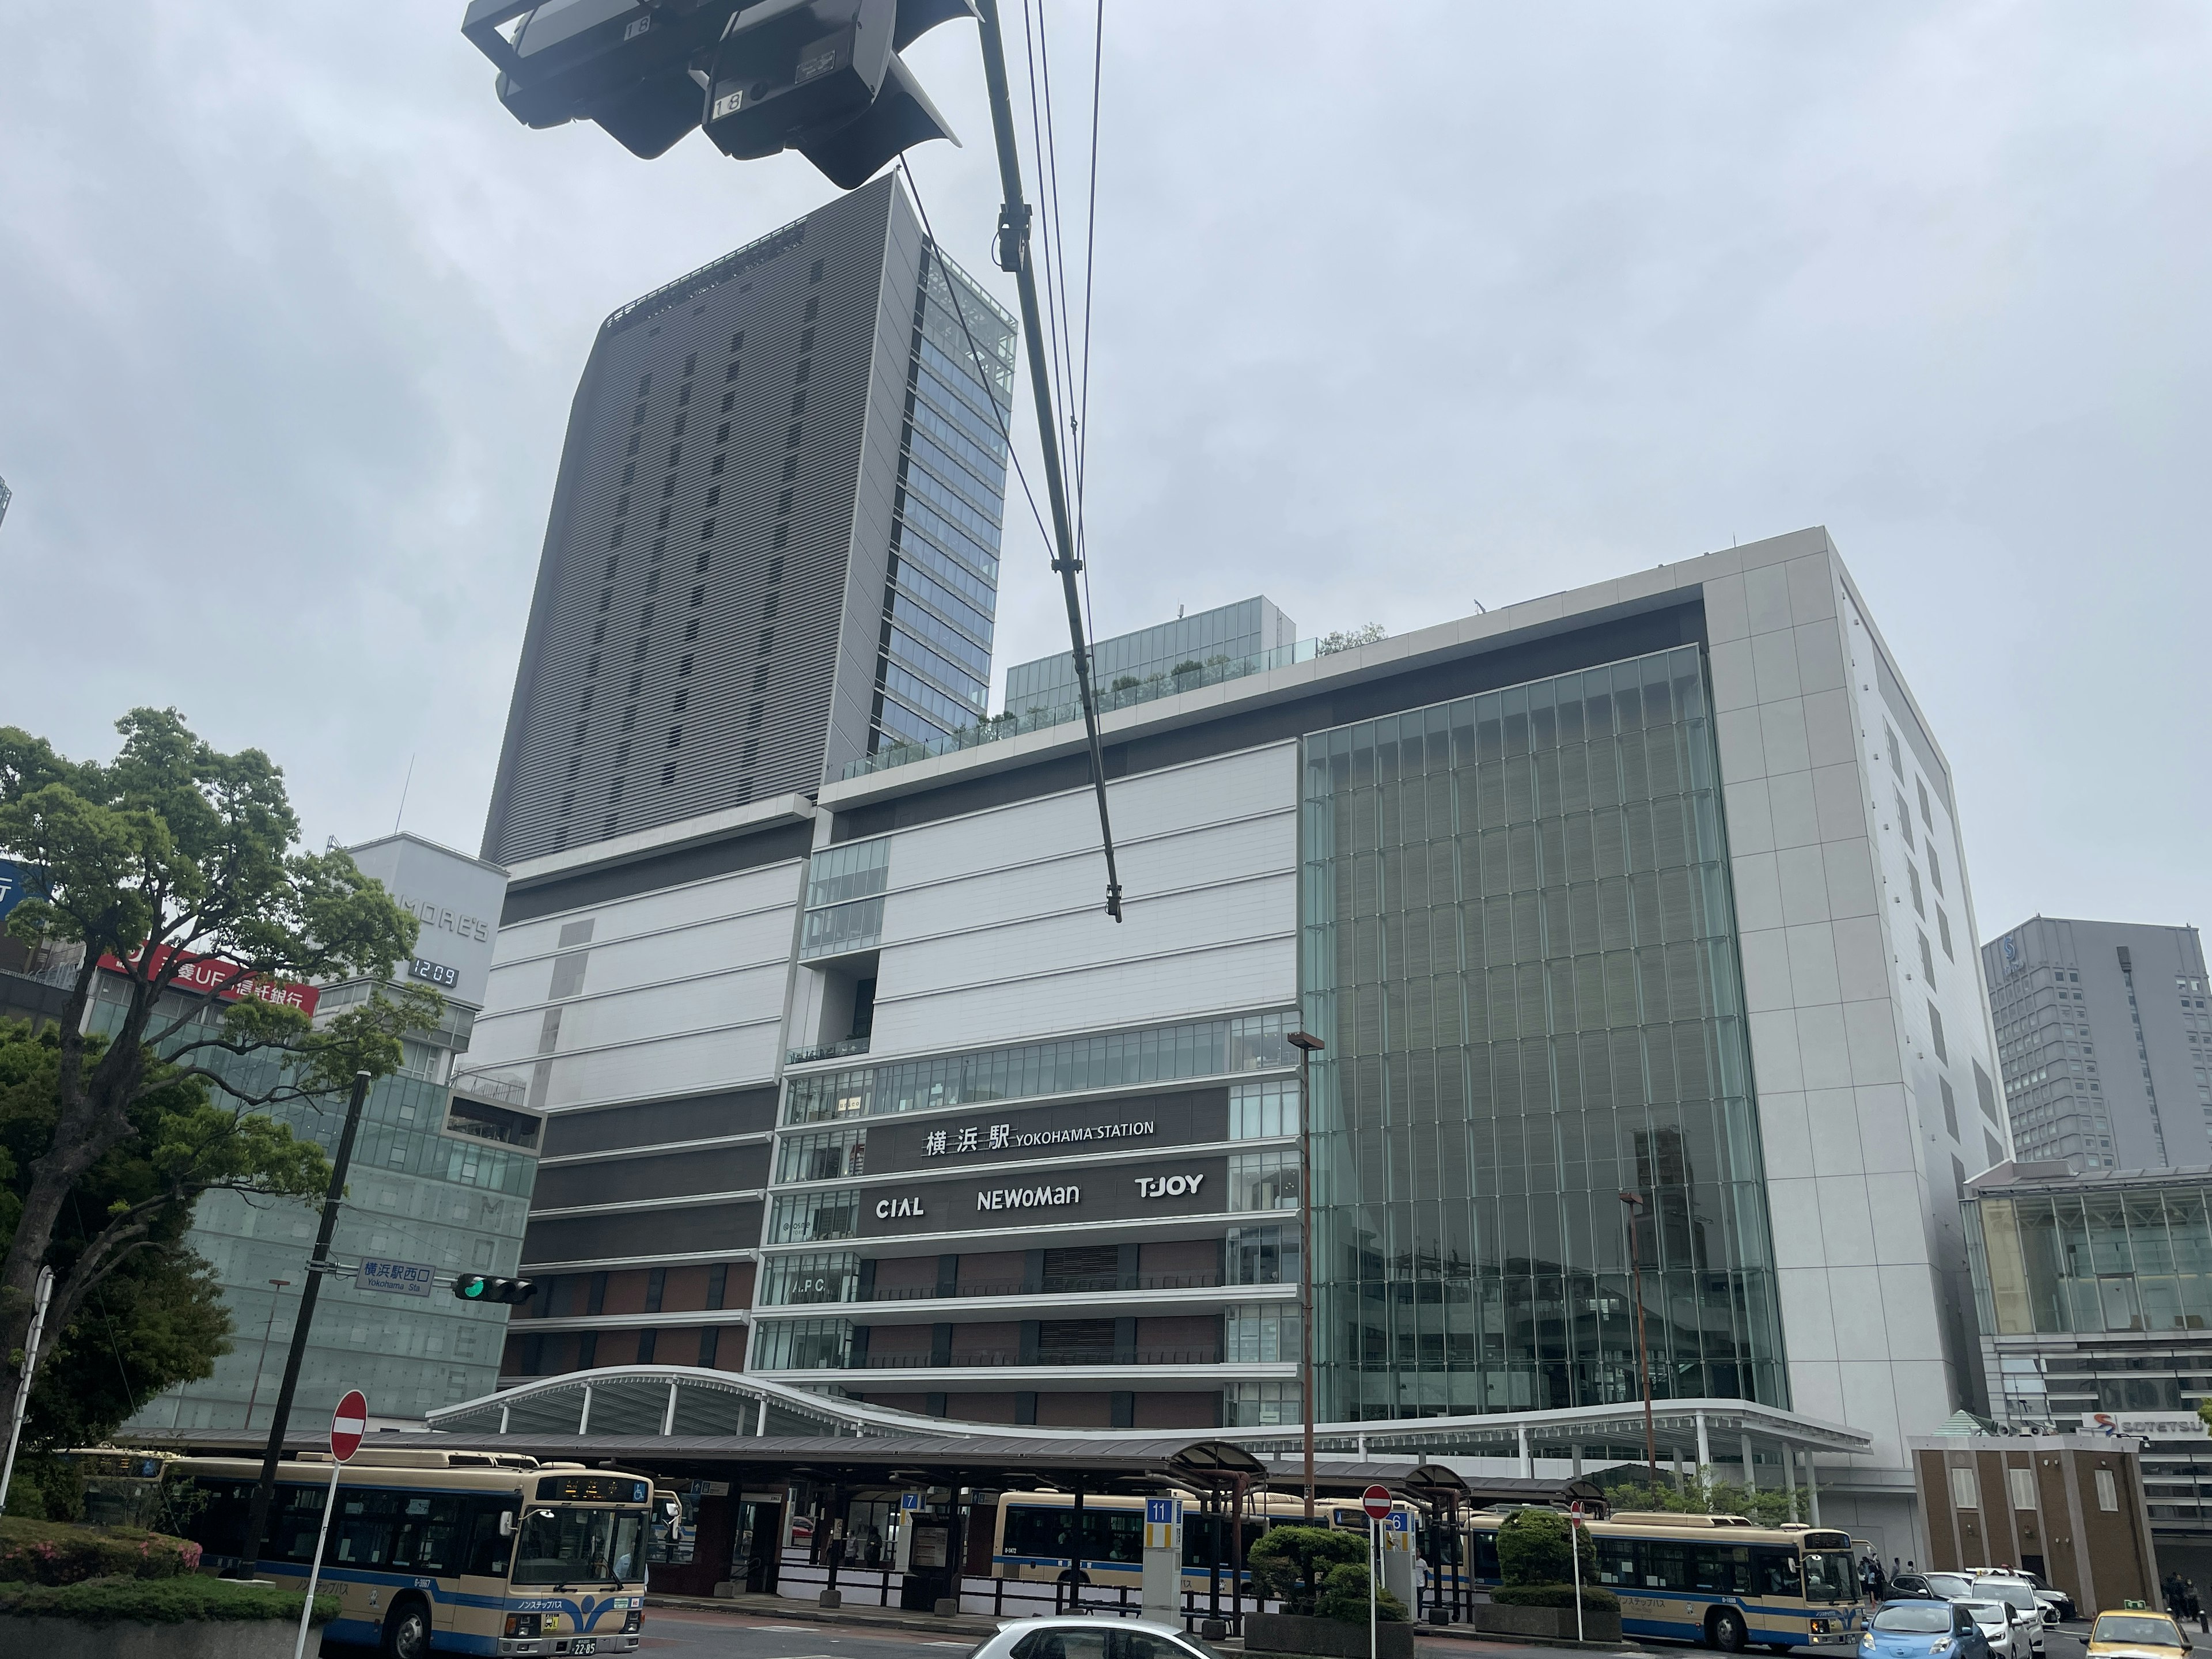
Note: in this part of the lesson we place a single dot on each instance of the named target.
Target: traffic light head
(819, 77)
(481, 1288)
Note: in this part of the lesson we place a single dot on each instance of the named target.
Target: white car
(1067, 1637)
(2019, 1594)
(2005, 1628)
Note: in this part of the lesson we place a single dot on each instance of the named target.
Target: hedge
(1594, 1599)
(160, 1602)
(55, 1552)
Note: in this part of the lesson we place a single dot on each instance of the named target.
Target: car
(1920, 1627)
(1070, 1637)
(1930, 1586)
(2138, 1636)
(2018, 1594)
(2057, 1605)
(2004, 1626)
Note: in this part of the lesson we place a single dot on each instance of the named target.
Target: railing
(826, 1051)
(1051, 1285)
(998, 1358)
(1012, 723)
(502, 1087)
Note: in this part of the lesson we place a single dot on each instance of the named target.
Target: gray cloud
(1393, 314)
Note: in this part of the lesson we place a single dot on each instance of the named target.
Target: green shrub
(1532, 1548)
(49, 1552)
(1595, 1599)
(1291, 1565)
(1344, 1595)
(159, 1602)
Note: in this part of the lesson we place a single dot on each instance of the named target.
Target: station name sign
(1045, 1132)
(1005, 1137)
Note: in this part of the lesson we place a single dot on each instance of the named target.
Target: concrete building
(2095, 1302)
(442, 1173)
(2106, 1039)
(774, 538)
(2067, 1506)
(1608, 889)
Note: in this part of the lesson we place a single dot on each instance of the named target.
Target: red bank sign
(225, 979)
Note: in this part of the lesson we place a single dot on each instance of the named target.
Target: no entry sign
(1376, 1500)
(347, 1423)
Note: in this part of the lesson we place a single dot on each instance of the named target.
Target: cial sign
(347, 1423)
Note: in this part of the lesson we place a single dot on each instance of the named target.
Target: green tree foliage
(148, 1314)
(1533, 1548)
(1344, 1595)
(1707, 1495)
(1345, 639)
(172, 851)
(1291, 1565)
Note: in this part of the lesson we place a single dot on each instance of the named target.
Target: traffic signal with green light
(480, 1287)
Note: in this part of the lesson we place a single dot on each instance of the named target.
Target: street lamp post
(1635, 1202)
(277, 1295)
(1307, 1044)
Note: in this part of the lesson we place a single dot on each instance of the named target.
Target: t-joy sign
(1174, 1186)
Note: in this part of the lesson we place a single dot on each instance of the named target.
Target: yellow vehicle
(2136, 1636)
(436, 1551)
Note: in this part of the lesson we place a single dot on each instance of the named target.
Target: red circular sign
(1376, 1500)
(347, 1423)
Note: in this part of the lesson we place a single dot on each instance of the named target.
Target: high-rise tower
(775, 534)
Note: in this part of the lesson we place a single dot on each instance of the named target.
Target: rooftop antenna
(402, 813)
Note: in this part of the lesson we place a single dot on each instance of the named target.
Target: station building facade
(861, 1091)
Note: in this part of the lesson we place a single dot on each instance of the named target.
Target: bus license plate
(585, 1645)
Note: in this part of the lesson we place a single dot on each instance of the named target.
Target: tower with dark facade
(774, 541)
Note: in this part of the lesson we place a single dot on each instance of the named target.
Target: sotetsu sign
(226, 979)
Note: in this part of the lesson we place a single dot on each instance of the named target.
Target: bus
(1718, 1579)
(439, 1551)
(1033, 1539)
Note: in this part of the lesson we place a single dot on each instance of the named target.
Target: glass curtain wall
(1518, 942)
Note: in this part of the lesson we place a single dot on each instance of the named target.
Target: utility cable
(1047, 238)
(1090, 265)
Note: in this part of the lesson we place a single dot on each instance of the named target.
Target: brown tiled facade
(2070, 1507)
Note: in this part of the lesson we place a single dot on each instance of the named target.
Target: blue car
(1923, 1629)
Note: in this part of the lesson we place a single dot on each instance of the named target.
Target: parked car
(1930, 1586)
(1920, 1627)
(1100, 1638)
(2138, 1636)
(2018, 1594)
(2057, 1605)
(2004, 1627)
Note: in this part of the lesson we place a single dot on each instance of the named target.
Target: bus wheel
(407, 1631)
(1728, 1632)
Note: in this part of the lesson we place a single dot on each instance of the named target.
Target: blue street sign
(1159, 1511)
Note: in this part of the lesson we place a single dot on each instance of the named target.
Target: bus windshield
(579, 1545)
(1831, 1575)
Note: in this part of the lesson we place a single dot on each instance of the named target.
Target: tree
(1345, 639)
(1706, 1494)
(1343, 1597)
(1533, 1548)
(174, 856)
(1291, 1565)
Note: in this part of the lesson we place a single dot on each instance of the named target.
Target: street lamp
(276, 1295)
(1635, 1202)
(1307, 1044)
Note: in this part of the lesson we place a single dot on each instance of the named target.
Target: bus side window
(297, 1522)
(1486, 1556)
(1723, 1569)
(1774, 1573)
(1616, 1559)
(363, 1526)
(488, 1551)
(1666, 1565)
(427, 1539)
(219, 1528)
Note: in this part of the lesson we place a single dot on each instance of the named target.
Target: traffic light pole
(1014, 257)
(319, 1266)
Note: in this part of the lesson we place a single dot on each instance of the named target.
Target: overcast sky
(1396, 309)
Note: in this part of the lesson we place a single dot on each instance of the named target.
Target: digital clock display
(436, 972)
(592, 1488)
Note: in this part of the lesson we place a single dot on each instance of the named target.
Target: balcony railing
(996, 1359)
(826, 1051)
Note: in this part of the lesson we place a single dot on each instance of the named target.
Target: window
(1965, 1489)
(1926, 817)
(1927, 963)
(1259, 1110)
(1943, 928)
(2108, 1492)
(1936, 1030)
(1935, 870)
(1254, 1331)
(1904, 820)
(646, 1342)
(1259, 1255)
(1264, 1181)
(2021, 1484)
(1912, 879)
(1950, 1108)
(1896, 760)
(656, 1283)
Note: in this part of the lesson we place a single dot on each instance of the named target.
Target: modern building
(442, 1173)
(1601, 892)
(2094, 1295)
(774, 542)
(1225, 635)
(2106, 1038)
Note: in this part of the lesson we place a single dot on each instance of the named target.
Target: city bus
(1034, 1534)
(1718, 1579)
(437, 1551)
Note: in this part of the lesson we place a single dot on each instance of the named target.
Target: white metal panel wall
(994, 930)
